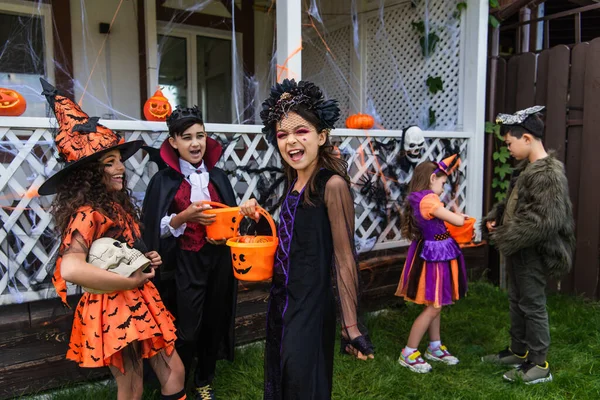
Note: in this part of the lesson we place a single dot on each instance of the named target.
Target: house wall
(113, 90)
(264, 30)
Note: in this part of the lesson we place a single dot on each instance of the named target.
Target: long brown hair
(420, 181)
(326, 158)
(86, 187)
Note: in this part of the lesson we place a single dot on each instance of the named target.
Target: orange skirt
(439, 289)
(104, 324)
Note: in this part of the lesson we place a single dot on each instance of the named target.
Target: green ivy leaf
(497, 133)
(435, 84)
(431, 117)
(419, 26)
(494, 22)
(433, 40)
(491, 127)
(502, 170)
(503, 154)
(494, 4)
(460, 7)
(500, 196)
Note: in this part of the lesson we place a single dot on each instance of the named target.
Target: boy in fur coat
(534, 230)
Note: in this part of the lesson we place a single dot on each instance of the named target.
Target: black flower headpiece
(180, 113)
(287, 96)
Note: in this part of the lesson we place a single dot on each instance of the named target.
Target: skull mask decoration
(414, 143)
(115, 256)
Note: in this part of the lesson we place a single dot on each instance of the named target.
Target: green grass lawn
(472, 328)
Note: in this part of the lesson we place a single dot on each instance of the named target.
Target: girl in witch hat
(124, 319)
(434, 274)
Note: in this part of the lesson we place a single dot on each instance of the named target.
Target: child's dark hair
(420, 181)
(177, 127)
(86, 187)
(326, 158)
(533, 125)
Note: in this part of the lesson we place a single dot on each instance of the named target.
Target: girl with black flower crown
(316, 249)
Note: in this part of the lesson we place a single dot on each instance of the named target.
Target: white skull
(112, 255)
(414, 143)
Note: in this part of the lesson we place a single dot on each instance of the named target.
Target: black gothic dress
(315, 265)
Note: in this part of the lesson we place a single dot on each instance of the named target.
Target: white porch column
(475, 53)
(289, 39)
(151, 46)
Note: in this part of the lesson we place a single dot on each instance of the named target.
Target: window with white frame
(195, 68)
(26, 51)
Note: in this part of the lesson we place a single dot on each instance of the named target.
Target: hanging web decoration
(375, 57)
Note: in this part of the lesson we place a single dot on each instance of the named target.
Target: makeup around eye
(302, 131)
(281, 135)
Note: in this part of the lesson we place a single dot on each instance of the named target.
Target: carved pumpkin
(157, 107)
(12, 103)
(360, 121)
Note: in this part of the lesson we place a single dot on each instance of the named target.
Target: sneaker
(505, 357)
(205, 393)
(529, 373)
(414, 362)
(441, 354)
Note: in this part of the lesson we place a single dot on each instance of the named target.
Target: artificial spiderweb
(374, 57)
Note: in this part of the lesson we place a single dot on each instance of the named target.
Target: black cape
(159, 195)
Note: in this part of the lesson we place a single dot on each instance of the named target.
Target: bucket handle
(265, 214)
(214, 203)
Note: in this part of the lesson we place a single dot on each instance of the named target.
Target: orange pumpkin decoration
(157, 107)
(360, 121)
(12, 103)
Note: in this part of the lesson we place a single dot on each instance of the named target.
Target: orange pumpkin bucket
(252, 257)
(224, 225)
(462, 234)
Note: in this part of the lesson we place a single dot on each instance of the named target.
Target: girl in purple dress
(315, 264)
(434, 273)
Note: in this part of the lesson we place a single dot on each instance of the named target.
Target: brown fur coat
(543, 217)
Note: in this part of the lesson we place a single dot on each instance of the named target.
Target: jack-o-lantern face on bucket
(240, 261)
(12, 103)
(157, 107)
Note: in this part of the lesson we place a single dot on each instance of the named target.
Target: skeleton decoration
(414, 143)
(112, 255)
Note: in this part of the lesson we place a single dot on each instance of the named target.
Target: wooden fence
(567, 81)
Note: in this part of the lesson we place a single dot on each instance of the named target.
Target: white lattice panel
(330, 70)
(28, 243)
(368, 164)
(397, 71)
(393, 69)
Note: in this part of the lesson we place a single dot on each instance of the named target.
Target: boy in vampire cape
(197, 281)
